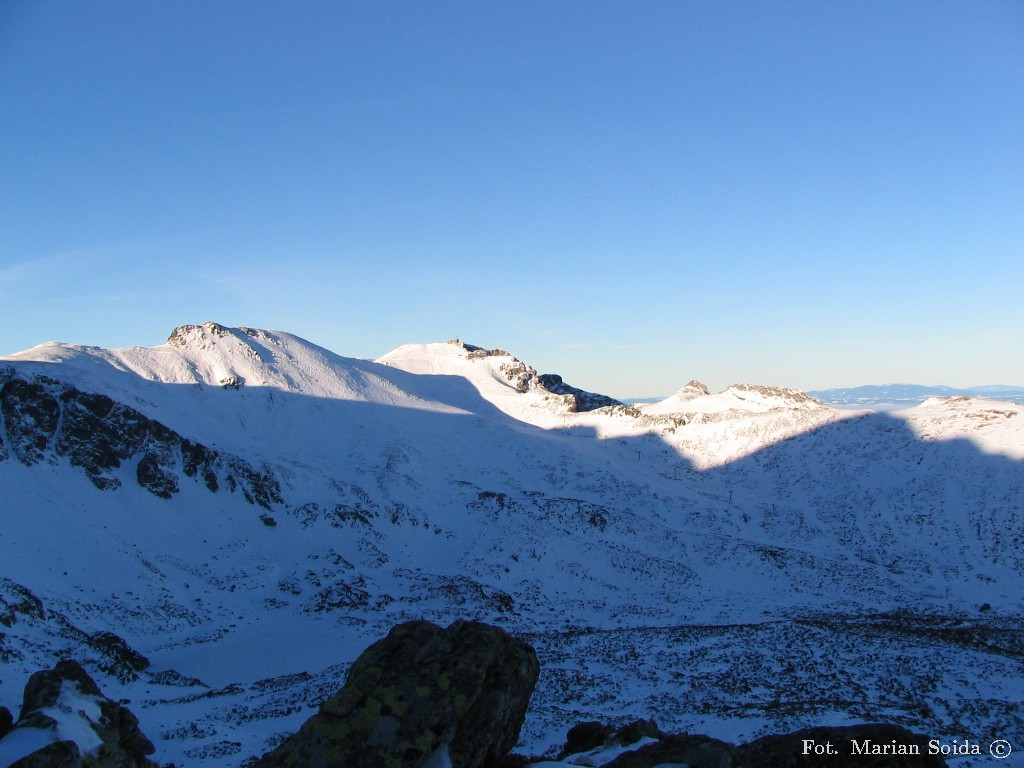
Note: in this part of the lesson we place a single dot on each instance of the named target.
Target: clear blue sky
(631, 194)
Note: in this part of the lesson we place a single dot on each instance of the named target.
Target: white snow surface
(735, 564)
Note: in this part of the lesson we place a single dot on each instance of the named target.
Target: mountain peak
(494, 372)
(185, 335)
(692, 388)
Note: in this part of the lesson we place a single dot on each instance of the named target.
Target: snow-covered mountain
(216, 525)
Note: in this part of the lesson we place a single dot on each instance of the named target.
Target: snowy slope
(672, 562)
(992, 425)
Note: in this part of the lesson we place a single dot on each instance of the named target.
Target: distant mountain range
(890, 397)
(885, 397)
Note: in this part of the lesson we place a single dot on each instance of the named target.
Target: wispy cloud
(46, 267)
(21, 272)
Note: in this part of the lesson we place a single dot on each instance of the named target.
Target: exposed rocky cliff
(45, 420)
(580, 400)
(524, 377)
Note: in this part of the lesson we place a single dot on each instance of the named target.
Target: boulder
(693, 751)
(44, 688)
(418, 695)
(65, 701)
(638, 729)
(592, 735)
(583, 737)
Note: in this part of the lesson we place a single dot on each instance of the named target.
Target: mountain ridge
(645, 553)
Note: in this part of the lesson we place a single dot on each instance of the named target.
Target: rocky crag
(45, 420)
(524, 377)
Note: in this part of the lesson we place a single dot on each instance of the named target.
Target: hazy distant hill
(893, 396)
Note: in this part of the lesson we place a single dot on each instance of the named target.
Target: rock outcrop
(421, 694)
(585, 736)
(579, 400)
(42, 419)
(66, 722)
(104, 650)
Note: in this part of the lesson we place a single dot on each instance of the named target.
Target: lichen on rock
(420, 690)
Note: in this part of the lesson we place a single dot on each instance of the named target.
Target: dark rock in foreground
(416, 693)
(66, 700)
